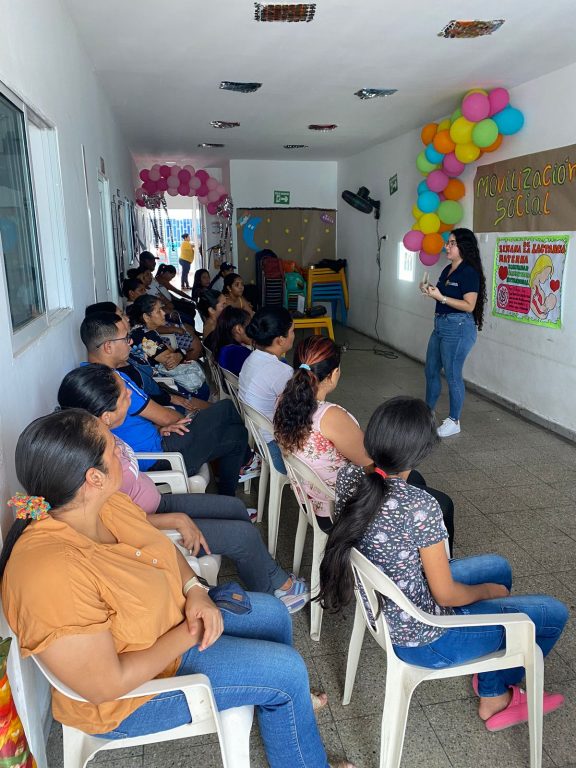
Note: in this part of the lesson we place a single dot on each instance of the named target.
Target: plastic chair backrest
(301, 475)
(231, 381)
(215, 372)
(256, 422)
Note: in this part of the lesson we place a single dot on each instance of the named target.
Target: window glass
(18, 238)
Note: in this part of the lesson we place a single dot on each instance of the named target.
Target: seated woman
(324, 435)
(132, 289)
(264, 375)
(321, 434)
(231, 345)
(107, 603)
(234, 292)
(200, 284)
(146, 318)
(222, 524)
(400, 529)
(163, 288)
(210, 306)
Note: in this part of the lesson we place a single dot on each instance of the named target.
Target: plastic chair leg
(262, 488)
(236, 725)
(299, 541)
(356, 640)
(274, 502)
(399, 689)
(316, 611)
(535, 692)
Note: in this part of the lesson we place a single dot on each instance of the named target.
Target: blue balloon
(509, 120)
(422, 187)
(445, 236)
(432, 154)
(428, 202)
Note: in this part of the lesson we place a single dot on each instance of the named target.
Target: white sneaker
(448, 428)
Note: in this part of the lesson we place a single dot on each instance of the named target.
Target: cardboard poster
(528, 279)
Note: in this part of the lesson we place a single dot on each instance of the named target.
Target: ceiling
(160, 64)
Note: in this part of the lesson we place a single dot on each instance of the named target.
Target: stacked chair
(325, 285)
(294, 286)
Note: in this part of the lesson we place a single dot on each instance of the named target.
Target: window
(405, 264)
(33, 242)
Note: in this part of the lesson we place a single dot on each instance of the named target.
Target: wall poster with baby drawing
(528, 278)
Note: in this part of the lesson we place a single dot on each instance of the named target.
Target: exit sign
(281, 198)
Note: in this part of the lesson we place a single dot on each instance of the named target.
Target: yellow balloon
(476, 90)
(416, 212)
(416, 226)
(467, 153)
(461, 131)
(429, 223)
(444, 125)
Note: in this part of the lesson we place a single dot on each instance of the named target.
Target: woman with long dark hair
(107, 602)
(460, 295)
(200, 284)
(322, 434)
(210, 305)
(231, 346)
(399, 528)
(234, 291)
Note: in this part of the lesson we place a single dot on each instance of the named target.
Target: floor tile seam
(424, 707)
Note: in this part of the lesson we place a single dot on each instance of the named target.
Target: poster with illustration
(528, 279)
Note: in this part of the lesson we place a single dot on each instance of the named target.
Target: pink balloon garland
(186, 181)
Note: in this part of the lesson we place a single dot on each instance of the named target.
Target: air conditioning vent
(284, 12)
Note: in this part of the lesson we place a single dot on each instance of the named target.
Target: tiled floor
(514, 488)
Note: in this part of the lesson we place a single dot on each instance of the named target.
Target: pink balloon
(150, 187)
(223, 197)
(203, 191)
(476, 107)
(183, 189)
(442, 196)
(173, 182)
(162, 185)
(221, 189)
(203, 200)
(154, 175)
(413, 240)
(452, 166)
(437, 181)
(175, 170)
(184, 176)
(202, 175)
(144, 174)
(212, 208)
(155, 167)
(428, 259)
(164, 171)
(498, 98)
(140, 193)
(212, 183)
(191, 192)
(195, 183)
(213, 196)
(141, 203)
(190, 168)
(172, 191)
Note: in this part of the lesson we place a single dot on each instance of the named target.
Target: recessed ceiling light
(317, 127)
(467, 29)
(223, 124)
(373, 93)
(295, 146)
(284, 11)
(230, 85)
(210, 146)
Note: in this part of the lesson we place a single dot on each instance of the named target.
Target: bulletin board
(303, 235)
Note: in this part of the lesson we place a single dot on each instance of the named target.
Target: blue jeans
(453, 337)
(253, 662)
(457, 646)
(276, 456)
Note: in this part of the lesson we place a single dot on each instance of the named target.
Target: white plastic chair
(255, 422)
(232, 725)
(196, 483)
(300, 475)
(402, 678)
(215, 373)
(231, 384)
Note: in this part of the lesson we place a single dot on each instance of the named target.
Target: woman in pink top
(323, 435)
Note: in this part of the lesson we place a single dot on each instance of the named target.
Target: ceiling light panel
(295, 146)
(210, 146)
(322, 128)
(375, 93)
(231, 85)
(290, 12)
(223, 124)
(468, 29)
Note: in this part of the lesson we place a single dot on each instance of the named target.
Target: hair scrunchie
(305, 366)
(29, 507)
(380, 472)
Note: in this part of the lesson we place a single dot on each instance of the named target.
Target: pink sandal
(517, 710)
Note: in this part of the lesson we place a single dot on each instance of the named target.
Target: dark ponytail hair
(298, 403)
(470, 252)
(52, 457)
(228, 320)
(129, 285)
(208, 300)
(400, 434)
(267, 324)
(144, 305)
(93, 387)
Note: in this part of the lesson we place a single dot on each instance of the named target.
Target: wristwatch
(444, 299)
(195, 581)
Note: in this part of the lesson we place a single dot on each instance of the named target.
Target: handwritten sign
(528, 277)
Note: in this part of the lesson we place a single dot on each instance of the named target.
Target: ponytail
(470, 252)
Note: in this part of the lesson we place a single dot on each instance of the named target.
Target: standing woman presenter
(460, 295)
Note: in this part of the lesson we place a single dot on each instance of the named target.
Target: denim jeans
(452, 339)
(226, 526)
(457, 646)
(251, 663)
(276, 456)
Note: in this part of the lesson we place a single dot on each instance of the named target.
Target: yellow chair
(316, 323)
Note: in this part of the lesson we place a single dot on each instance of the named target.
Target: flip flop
(517, 710)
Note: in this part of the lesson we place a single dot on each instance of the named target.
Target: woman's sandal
(341, 764)
(517, 710)
(319, 699)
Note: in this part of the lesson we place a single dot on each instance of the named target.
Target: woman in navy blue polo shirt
(460, 294)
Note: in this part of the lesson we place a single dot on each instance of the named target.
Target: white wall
(517, 362)
(42, 61)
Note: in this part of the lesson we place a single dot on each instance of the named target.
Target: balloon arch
(174, 180)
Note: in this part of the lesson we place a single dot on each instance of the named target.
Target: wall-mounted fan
(362, 201)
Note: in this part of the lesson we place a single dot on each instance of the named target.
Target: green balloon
(450, 212)
(485, 133)
(455, 115)
(424, 165)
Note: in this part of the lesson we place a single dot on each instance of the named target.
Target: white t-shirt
(262, 380)
(158, 290)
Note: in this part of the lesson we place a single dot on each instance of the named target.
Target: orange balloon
(494, 146)
(455, 190)
(428, 133)
(433, 243)
(443, 143)
(445, 227)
